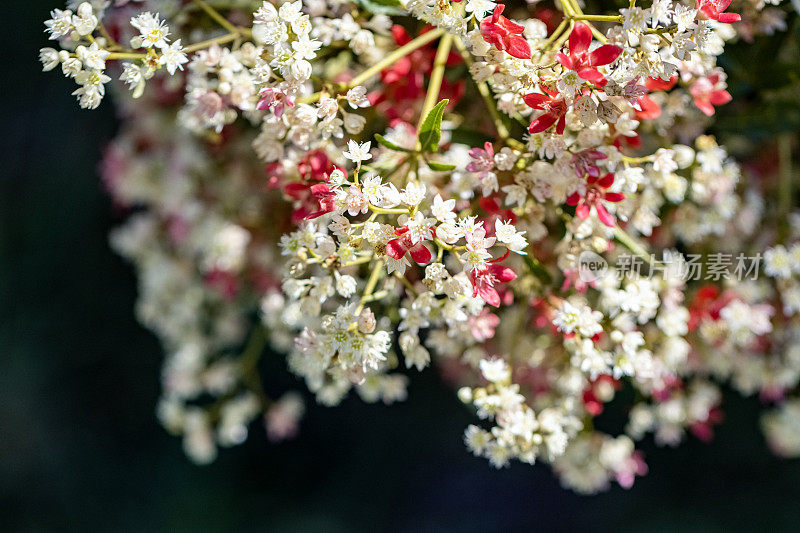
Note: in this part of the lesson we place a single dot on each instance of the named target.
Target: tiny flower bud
(366, 321)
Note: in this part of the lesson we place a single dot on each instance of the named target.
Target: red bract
(505, 35)
(494, 213)
(708, 92)
(484, 282)
(315, 166)
(594, 196)
(555, 110)
(648, 108)
(584, 62)
(397, 248)
(713, 9)
(315, 200)
(657, 84)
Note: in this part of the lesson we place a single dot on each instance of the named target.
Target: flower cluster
(372, 199)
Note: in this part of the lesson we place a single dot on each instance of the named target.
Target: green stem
(437, 75)
(627, 241)
(599, 18)
(205, 44)
(214, 14)
(377, 271)
(387, 61)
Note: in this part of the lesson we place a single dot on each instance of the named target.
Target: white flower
(684, 17)
(569, 83)
(353, 123)
(153, 31)
(305, 47)
(357, 152)
(60, 23)
(357, 97)
(495, 370)
(777, 262)
(49, 58)
(371, 187)
(92, 89)
(413, 194)
(508, 234)
(443, 209)
(569, 318)
(92, 57)
(420, 227)
(172, 57)
(479, 8)
(85, 21)
(134, 76)
(345, 285)
(290, 11)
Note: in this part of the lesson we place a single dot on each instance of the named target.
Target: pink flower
(584, 62)
(505, 35)
(713, 9)
(555, 110)
(482, 159)
(594, 196)
(397, 248)
(274, 99)
(482, 326)
(708, 92)
(484, 282)
(584, 160)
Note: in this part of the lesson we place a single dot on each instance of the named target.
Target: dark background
(82, 450)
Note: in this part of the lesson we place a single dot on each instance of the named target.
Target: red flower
(404, 81)
(505, 35)
(713, 9)
(584, 62)
(397, 248)
(484, 282)
(593, 197)
(555, 110)
(708, 92)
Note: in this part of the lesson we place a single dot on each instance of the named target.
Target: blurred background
(82, 449)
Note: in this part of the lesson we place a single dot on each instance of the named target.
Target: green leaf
(430, 133)
(383, 7)
(433, 165)
(389, 144)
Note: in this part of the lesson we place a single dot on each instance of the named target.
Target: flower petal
(580, 39)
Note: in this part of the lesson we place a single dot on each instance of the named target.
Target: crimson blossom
(584, 62)
(596, 192)
(505, 35)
